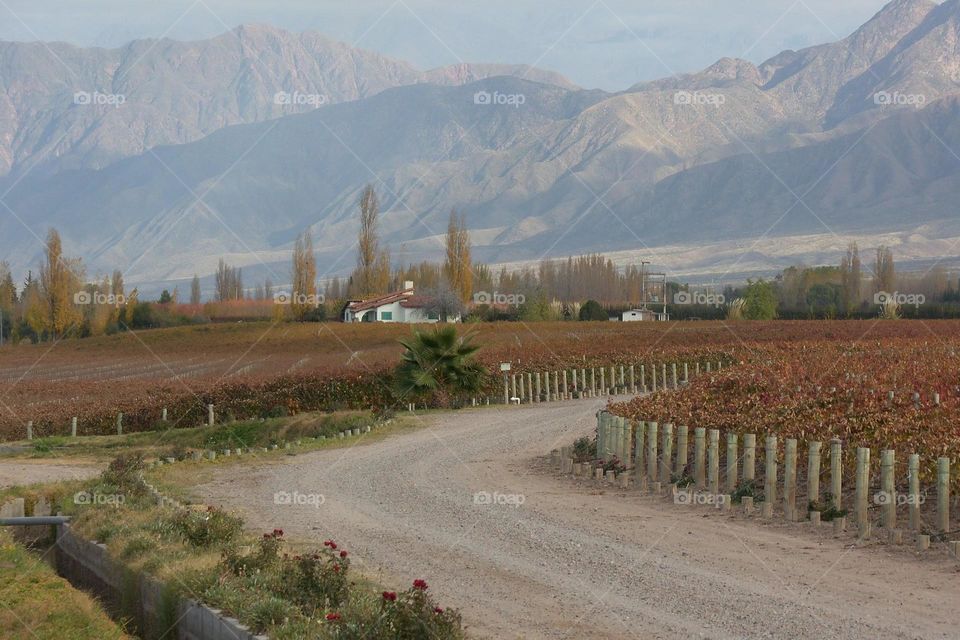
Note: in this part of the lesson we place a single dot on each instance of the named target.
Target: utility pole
(643, 284)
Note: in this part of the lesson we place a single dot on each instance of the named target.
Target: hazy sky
(609, 44)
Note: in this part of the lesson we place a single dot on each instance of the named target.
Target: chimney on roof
(407, 284)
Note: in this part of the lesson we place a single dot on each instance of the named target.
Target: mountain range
(161, 157)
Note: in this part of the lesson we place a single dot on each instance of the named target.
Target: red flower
(343, 554)
(331, 544)
(420, 584)
(390, 596)
(438, 609)
(332, 617)
(278, 533)
(336, 568)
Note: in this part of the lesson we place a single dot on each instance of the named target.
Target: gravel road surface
(557, 558)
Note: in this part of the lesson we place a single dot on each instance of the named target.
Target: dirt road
(24, 472)
(557, 559)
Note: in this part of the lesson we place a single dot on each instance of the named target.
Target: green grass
(176, 442)
(38, 604)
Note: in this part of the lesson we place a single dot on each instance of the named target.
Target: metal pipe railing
(28, 521)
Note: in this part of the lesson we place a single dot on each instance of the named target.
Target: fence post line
(623, 379)
(593, 381)
(653, 378)
(699, 454)
(556, 384)
(163, 415)
(652, 451)
(770, 476)
(686, 372)
(888, 488)
(673, 367)
(943, 494)
(536, 398)
(667, 455)
(836, 473)
(790, 479)
(713, 462)
(566, 389)
(73, 427)
(709, 370)
(862, 488)
(663, 378)
(696, 370)
(732, 462)
(627, 442)
(749, 456)
(210, 416)
(633, 381)
(813, 474)
(30, 430)
(530, 388)
(914, 480)
(682, 446)
(643, 378)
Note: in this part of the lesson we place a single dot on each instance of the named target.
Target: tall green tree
(759, 301)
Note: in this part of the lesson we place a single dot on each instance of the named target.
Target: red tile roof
(373, 303)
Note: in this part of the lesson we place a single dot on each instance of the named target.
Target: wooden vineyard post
(667, 455)
(713, 462)
(943, 494)
(699, 457)
(862, 489)
(682, 445)
(652, 451)
(790, 479)
(914, 480)
(633, 381)
(813, 473)
(888, 495)
(749, 456)
(836, 473)
(638, 451)
(770, 476)
(732, 462)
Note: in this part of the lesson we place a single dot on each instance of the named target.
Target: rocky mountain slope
(856, 135)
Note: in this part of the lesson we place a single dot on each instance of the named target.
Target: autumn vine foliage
(819, 390)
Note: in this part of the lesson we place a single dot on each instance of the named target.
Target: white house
(644, 315)
(400, 306)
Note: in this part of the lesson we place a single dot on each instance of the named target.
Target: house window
(386, 315)
(433, 316)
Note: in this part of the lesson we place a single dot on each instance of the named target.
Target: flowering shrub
(316, 580)
(414, 614)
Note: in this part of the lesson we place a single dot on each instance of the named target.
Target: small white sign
(504, 366)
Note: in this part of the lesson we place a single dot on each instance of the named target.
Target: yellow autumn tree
(304, 277)
(458, 267)
(59, 280)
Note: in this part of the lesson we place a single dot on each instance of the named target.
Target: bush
(591, 311)
(207, 528)
(413, 614)
(584, 449)
(316, 580)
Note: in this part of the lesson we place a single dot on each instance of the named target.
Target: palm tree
(437, 364)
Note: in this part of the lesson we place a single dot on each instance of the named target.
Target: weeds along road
(573, 561)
